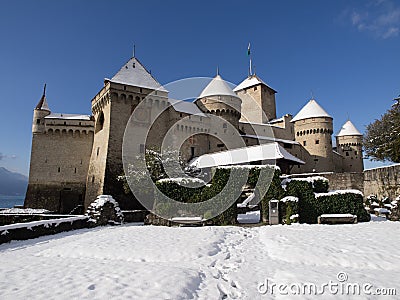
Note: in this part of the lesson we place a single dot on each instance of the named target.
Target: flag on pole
(248, 50)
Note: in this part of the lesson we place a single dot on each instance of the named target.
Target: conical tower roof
(348, 128)
(311, 110)
(42, 105)
(217, 87)
(135, 74)
(251, 81)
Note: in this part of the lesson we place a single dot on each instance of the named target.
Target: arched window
(100, 122)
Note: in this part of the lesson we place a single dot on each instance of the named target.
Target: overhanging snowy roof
(249, 82)
(311, 110)
(348, 128)
(271, 151)
(217, 87)
(68, 116)
(135, 74)
(186, 107)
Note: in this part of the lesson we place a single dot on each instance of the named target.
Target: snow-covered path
(147, 262)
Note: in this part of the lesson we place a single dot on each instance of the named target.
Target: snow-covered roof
(186, 107)
(270, 151)
(311, 110)
(249, 82)
(135, 74)
(348, 128)
(68, 116)
(217, 87)
(269, 138)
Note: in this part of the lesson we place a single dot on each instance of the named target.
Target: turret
(258, 100)
(219, 99)
(349, 145)
(313, 128)
(41, 110)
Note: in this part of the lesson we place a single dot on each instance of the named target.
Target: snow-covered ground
(148, 262)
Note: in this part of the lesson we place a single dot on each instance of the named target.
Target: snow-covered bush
(312, 205)
(289, 206)
(104, 210)
(319, 184)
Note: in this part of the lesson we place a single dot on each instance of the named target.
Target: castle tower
(112, 108)
(41, 110)
(349, 145)
(219, 99)
(254, 89)
(61, 147)
(313, 128)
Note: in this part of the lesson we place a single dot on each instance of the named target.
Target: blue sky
(346, 52)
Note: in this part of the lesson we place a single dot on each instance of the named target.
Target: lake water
(10, 201)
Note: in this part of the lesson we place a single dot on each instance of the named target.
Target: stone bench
(187, 221)
(337, 219)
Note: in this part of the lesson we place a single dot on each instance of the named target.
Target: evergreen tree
(382, 137)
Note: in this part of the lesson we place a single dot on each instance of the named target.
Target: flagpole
(250, 65)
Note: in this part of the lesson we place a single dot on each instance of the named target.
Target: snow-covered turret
(349, 145)
(218, 98)
(313, 128)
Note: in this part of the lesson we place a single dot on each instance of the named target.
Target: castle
(75, 157)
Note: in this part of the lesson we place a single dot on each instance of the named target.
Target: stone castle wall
(59, 166)
(382, 182)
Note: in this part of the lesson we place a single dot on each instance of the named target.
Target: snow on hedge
(311, 179)
(274, 167)
(290, 199)
(337, 192)
(183, 180)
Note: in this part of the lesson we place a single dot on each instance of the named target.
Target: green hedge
(341, 203)
(304, 191)
(312, 206)
(287, 208)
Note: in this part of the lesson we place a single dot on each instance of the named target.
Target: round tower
(313, 128)
(219, 99)
(41, 110)
(349, 145)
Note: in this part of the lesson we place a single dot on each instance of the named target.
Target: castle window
(255, 88)
(355, 152)
(92, 179)
(304, 143)
(75, 171)
(59, 169)
(124, 87)
(98, 151)
(65, 123)
(37, 121)
(100, 122)
(180, 115)
(81, 161)
(347, 153)
(141, 90)
(316, 142)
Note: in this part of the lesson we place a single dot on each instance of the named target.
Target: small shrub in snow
(104, 210)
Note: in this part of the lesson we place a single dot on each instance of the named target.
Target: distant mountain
(12, 184)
